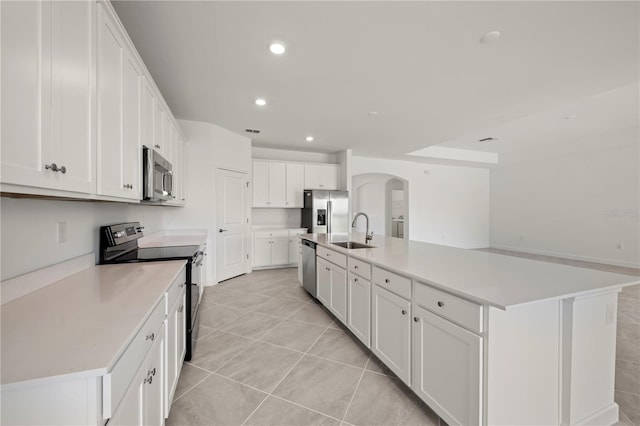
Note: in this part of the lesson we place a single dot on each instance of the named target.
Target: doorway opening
(384, 198)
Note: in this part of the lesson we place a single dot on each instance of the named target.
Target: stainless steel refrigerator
(326, 212)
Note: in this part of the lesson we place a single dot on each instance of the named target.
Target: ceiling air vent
(489, 139)
(252, 131)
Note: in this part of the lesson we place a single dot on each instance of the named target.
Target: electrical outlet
(62, 232)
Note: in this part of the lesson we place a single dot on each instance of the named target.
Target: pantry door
(232, 224)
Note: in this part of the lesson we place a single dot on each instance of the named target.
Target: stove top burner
(150, 254)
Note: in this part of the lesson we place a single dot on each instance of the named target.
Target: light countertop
(482, 277)
(80, 325)
(267, 228)
(178, 237)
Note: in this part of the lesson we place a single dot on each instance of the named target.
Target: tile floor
(267, 354)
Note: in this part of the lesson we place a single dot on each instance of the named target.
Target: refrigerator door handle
(329, 218)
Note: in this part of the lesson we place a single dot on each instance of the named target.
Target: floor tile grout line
(355, 390)
(302, 406)
(191, 388)
(284, 377)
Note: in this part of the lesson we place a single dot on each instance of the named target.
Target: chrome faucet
(368, 236)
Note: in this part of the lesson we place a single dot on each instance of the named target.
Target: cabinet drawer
(461, 311)
(175, 291)
(116, 382)
(332, 256)
(269, 234)
(392, 282)
(360, 268)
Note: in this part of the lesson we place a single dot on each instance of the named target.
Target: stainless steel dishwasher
(309, 266)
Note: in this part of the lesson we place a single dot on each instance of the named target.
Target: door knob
(222, 230)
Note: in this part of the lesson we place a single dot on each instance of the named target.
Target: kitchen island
(482, 338)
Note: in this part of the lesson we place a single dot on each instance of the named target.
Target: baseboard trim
(608, 415)
(569, 256)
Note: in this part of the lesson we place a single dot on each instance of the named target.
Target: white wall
(449, 205)
(278, 218)
(208, 147)
(575, 200)
(29, 229)
(288, 155)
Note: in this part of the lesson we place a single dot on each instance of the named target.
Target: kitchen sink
(352, 245)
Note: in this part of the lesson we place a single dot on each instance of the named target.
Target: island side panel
(523, 362)
(589, 347)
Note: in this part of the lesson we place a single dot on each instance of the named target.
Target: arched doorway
(384, 199)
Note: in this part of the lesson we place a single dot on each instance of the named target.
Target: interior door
(232, 222)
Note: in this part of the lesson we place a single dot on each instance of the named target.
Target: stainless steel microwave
(157, 176)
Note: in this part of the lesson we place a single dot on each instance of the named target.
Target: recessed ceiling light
(277, 48)
(261, 102)
(372, 113)
(490, 36)
(309, 138)
(571, 117)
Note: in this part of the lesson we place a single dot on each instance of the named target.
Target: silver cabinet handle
(440, 303)
(404, 312)
(151, 336)
(151, 372)
(128, 186)
(222, 230)
(355, 280)
(149, 379)
(54, 168)
(386, 280)
(415, 319)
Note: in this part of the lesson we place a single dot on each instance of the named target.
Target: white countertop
(267, 228)
(482, 277)
(177, 237)
(80, 325)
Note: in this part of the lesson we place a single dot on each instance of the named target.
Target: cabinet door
(447, 368)
(171, 355)
(339, 293)
(313, 176)
(294, 249)
(72, 101)
(260, 184)
(167, 144)
(276, 185)
(295, 185)
(262, 251)
(329, 177)
(132, 151)
(323, 281)
(158, 126)
(154, 384)
(130, 412)
(280, 251)
(391, 339)
(181, 334)
(146, 114)
(359, 312)
(25, 76)
(118, 141)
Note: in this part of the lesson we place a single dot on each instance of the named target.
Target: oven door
(193, 299)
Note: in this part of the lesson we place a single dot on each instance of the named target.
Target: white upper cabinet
(47, 95)
(268, 184)
(321, 176)
(118, 108)
(77, 103)
(295, 185)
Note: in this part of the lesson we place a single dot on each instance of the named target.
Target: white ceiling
(420, 65)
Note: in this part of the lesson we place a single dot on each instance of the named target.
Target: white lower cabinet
(332, 288)
(391, 331)
(271, 248)
(359, 311)
(143, 403)
(447, 368)
(175, 347)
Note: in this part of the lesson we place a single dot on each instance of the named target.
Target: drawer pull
(404, 312)
(415, 319)
(152, 372)
(327, 269)
(355, 280)
(440, 303)
(151, 336)
(181, 308)
(148, 379)
(355, 266)
(386, 280)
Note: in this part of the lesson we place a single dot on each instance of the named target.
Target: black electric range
(119, 244)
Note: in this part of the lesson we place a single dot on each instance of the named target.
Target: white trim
(22, 285)
(608, 415)
(568, 256)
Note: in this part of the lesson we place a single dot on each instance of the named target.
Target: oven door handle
(199, 258)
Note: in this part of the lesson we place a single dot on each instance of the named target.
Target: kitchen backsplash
(286, 218)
